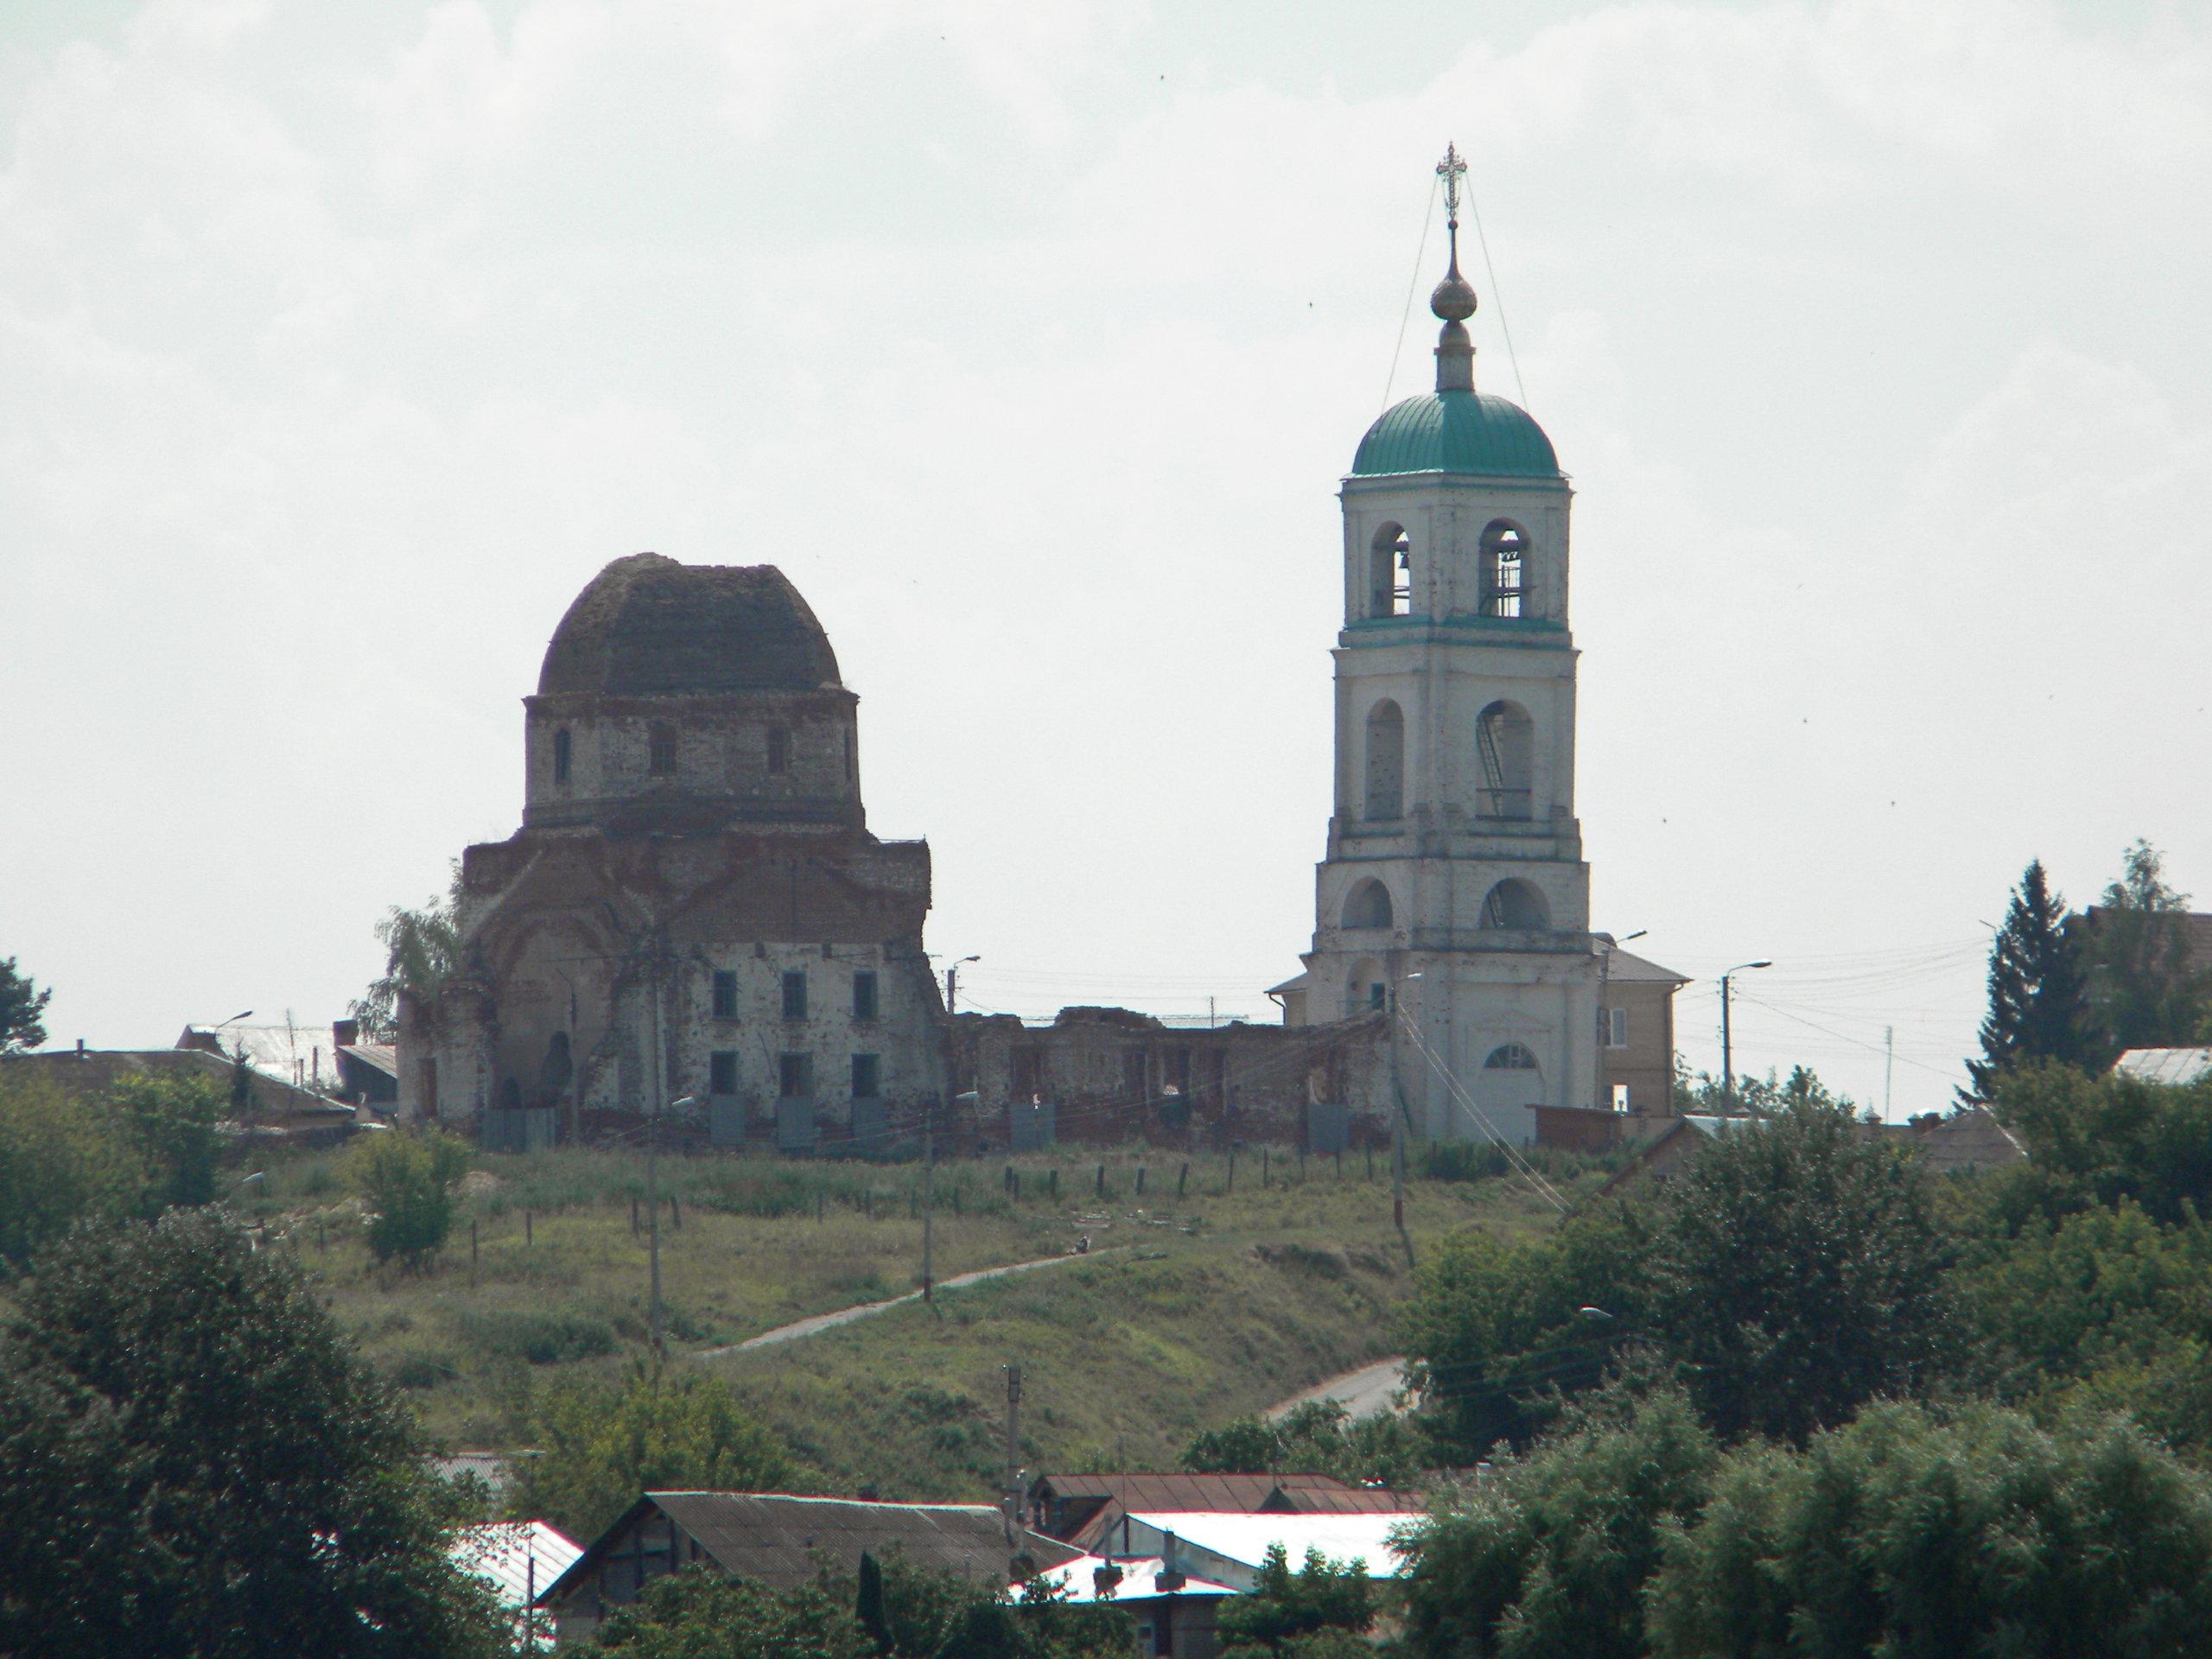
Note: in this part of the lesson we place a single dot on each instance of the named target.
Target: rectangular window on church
(864, 995)
(795, 994)
(721, 1072)
(725, 994)
(795, 1076)
(866, 1076)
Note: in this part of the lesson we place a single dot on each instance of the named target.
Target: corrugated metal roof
(519, 1557)
(2172, 1065)
(384, 1057)
(1079, 1581)
(1246, 1538)
(774, 1539)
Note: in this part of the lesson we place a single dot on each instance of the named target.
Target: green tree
(2143, 990)
(1308, 1613)
(407, 1181)
(2094, 1140)
(21, 1005)
(916, 1614)
(1552, 1554)
(421, 948)
(1912, 1536)
(169, 1123)
(193, 1462)
(2107, 1308)
(605, 1444)
(1494, 1330)
(2037, 1005)
(1318, 1437)
(60, 1160)
(1796, 1271)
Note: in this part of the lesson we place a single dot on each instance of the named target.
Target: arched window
(779, 749)
(1386, 763)
(1504, 568)
(1514, 904)
(661, 757)
(1390, 573)
(1368, 905)
(561, 756)
(1505, 740)
(1510, 1057)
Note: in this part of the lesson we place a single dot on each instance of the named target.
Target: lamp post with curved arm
(1727, 1051)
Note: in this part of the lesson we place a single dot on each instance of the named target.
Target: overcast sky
(340, 345)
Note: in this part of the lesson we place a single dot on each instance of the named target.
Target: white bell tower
(1454, 882)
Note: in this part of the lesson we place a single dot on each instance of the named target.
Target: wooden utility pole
(1012, 1449)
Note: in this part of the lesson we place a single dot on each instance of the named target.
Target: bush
(540, 1338)
(1318, 1437)
(169, 1121)
(60, 1159)
(1553, 1554)
(606, 1444)
(1286, 1609)
(1910, 1534)
(407, 1182)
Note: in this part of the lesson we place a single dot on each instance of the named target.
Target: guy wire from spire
(1498, 298)
(1428, 212)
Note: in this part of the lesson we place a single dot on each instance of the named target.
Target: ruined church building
(695, 912)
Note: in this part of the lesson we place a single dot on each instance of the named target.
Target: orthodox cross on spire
(1454, 299)
(1451, 169)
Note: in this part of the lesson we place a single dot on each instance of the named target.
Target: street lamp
(952, 982)
(1727, 1052)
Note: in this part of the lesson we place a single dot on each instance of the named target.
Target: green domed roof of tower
(1456, 431)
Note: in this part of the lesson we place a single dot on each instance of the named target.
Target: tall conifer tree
(2037, 1009)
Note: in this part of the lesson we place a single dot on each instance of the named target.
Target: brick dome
(649, 626)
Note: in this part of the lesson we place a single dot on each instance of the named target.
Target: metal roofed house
(519, 1558)
(1175, 1617)
(2169, 1065)
(1229, 1548)
(1077, 1509)
(781, 1541)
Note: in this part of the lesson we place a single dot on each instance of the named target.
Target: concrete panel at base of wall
(726, 1122)
(528, 1130)
(795, 1124)
(868, 1126)
(1030, 1129)
(1328, 1128)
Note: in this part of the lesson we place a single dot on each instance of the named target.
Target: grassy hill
(1192, 1308)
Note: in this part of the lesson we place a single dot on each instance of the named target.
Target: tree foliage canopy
(2037, 1005)
(1318, 1437)
(2142, 990)
(910, 1614)
(193, 1462)
(421, 948)
(22, 1004)
(1912, 1534)
(605, 1444)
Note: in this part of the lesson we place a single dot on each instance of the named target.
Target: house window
(866, 1076)
(779, 749)
(661, 756)
(795, 1076)
(725, 994)
(864, 995)
(721, 1072)
(1617, 1028)
(561, 756)
(795, 994)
